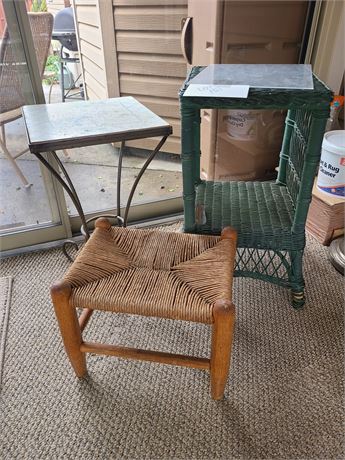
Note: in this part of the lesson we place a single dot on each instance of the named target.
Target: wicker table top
(318, 98)
(63, 126)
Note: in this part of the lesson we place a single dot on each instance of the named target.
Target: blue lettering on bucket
(338, 190)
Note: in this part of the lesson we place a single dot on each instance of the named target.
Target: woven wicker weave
(269, 217)
(151, 273)
(11, 96)
(12, 74)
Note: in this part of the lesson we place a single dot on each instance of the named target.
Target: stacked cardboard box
(326, 216)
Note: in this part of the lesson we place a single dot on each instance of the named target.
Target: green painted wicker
(269, 217)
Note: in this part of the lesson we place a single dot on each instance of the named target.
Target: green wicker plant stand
(269, 216)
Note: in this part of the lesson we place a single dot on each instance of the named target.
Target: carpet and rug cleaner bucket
(331, 177)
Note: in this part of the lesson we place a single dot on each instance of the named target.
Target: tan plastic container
(243, 32)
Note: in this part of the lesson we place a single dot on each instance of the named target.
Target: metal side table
(66, 126)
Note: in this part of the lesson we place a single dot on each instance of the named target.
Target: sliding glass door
(100, 64)
(30, 209)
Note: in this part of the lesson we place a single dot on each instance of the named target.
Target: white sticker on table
(235, 91)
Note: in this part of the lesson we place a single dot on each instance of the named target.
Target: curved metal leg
(68, 186)
(118, 184)
(72, 189)
(120, 220)
(64, 250)
(62, 81)
(137, 179)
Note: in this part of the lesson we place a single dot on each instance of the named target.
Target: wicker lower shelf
(261, 212)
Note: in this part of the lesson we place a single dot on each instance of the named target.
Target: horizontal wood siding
(90, 34)
(135, 63)
(96, 33)
(96, 87)
(157, 86)
(90, 40)
(158, 3)
(150, 43)
(149, 18)
(91, 53)
(150, 63)
(165, 107)
(87, 14)
(96, 71)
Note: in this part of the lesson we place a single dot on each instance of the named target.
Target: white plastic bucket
(331, 177)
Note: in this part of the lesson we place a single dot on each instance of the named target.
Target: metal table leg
(67, 185)
(137, 179)
(122, 221)
(69, 188)
(62, 76)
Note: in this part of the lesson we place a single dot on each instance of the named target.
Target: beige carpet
(284, 399)
(5, 300)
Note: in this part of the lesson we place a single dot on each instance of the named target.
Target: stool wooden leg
(222, 335)
(69, 326)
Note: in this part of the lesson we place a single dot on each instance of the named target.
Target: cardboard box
(325, 219)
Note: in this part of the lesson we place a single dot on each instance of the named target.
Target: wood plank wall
(91, 48)
(151, 66)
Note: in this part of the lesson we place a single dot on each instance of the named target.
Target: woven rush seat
(151, 273)
(261, 212)
(170, 275)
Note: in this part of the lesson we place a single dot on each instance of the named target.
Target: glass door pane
(28, 199)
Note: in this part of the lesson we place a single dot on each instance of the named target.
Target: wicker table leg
(297, 281)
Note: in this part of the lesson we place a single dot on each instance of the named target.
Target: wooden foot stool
(151, 273)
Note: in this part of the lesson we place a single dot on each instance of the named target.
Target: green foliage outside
(52, 67)
(39, 6)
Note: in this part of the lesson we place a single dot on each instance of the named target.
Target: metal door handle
(187, 39)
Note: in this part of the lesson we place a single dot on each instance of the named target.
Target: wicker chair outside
(269, 217)
(151, 273)
(11, 92)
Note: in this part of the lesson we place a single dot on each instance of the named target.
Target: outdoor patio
(93, 171)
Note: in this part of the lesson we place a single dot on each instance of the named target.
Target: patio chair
(151, 273)
(11, 95)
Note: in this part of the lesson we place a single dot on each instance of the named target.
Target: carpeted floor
(5, 301)
(284, 399)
